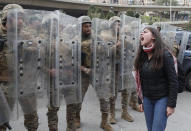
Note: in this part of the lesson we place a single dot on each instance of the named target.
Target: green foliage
(166, 2)
(109, 14)
(95, 12)
(130, 13)
(189, 25)
(149, 19)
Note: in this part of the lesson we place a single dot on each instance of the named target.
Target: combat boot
(127, 117)
(77, 121)
(112, 118)
(134, 103)
(136, 107)
(104, 124)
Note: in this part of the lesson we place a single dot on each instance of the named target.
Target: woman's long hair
(158, 51)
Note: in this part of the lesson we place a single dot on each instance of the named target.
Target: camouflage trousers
(30, 117)
(124, 94)
(73, 110)
(104, 105)
(52, 113)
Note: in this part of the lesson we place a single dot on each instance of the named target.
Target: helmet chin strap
(148, 49)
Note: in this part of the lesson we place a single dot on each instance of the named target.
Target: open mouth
(142, 38)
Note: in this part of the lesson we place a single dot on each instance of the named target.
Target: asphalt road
(91, 117)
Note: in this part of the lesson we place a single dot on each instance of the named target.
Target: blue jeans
(155, 113)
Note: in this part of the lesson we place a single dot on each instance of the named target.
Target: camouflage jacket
(86, 52)
(3, 56)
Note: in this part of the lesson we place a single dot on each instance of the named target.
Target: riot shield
(26, 42)
(168, 27)
(68, 60)
(169, 37)
(183, 45)
(4, 109)
(129, 42)
(104, 55)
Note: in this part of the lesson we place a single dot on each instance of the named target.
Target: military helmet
(7, 8)
(114, 19)
(84, 19)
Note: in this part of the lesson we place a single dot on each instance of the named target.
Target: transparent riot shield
(68, 60)
(104, 53)
(4, 109)
(50, 25)
(26, 42)
(168, 27)
(169, 37)
(182, 46)
(129, 42)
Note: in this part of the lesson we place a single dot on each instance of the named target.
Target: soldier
(30, 119)
(73, 110)
(103, 81)
(51, 34)
(115, 21)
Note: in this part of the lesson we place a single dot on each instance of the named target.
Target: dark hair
(158, 51)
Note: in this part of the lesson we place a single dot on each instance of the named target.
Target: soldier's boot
(77, 121)
(71, 117)
(53, 118)
(124, 102)
(112, 111)
(31, 121)
(125, 115)
(134, 102)
(112, 117)
(104, 123)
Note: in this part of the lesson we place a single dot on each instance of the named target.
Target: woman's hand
(170, 111)
(141, 107)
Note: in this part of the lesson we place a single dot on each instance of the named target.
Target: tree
(109, 14)
(95, 12)
(166, 2)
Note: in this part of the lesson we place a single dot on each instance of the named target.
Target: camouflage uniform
(103, 88)
(30, 120)
(124, 93)
(3, 69)
(73, 110)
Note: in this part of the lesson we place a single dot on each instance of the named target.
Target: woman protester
(156, 78)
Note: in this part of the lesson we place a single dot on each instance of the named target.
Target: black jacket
(162, 82)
